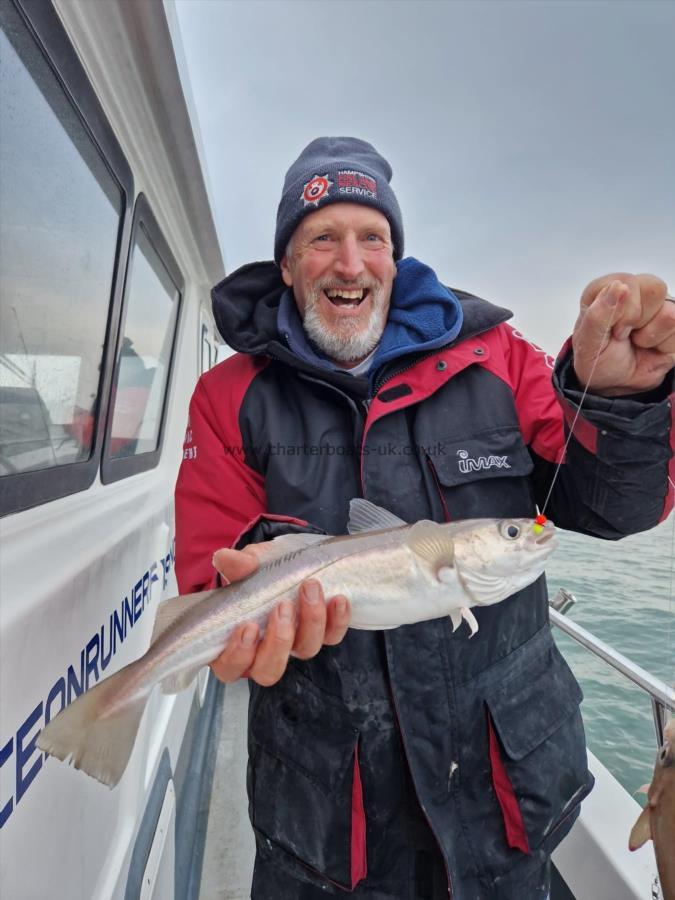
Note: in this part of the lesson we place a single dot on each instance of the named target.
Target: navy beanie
(334, 169)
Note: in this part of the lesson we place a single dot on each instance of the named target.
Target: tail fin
(98, 742)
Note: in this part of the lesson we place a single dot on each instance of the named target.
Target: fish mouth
(545, 537)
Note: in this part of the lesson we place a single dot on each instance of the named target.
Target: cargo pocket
(304, 781)
(466, 470)
(538, 752)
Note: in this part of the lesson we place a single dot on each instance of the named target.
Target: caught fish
(657, 819)
(393, 573)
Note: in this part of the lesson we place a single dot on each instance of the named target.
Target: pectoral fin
(431, 542)
(642, 830)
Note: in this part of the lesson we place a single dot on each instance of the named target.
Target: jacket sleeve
(217, 493)
(220, 499)
(615, 475)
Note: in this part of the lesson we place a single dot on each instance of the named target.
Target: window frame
(115, 468)
(206, 335)
(22, 490)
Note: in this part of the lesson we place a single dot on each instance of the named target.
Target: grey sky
(533, 143)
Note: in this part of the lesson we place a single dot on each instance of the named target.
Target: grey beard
(344, 343)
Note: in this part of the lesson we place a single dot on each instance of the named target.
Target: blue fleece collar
(423, 316)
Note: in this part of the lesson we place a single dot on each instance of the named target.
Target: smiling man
(417, 762)
(341, 268)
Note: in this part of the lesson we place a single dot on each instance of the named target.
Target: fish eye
(509, 530)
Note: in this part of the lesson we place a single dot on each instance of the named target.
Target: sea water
(625, 596)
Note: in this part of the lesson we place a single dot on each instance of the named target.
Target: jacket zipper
(366, 406)
(409, 365)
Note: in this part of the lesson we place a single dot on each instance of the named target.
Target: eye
(322, 238)
(509, 530)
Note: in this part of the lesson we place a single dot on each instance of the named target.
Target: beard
(349, 339)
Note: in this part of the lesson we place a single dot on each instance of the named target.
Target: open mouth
(343, 299)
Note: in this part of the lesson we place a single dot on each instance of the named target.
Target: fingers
(309, 637)
(659, 332)
(337, 620)
(238, 655)
(624, 338)
(627, 308)
(272, 656)
(301, 630)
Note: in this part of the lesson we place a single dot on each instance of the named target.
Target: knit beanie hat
(334, 169)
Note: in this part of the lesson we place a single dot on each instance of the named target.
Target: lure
(539, 523)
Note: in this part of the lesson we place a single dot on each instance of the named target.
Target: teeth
(345, 295)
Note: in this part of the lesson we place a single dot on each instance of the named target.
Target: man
(414, 762)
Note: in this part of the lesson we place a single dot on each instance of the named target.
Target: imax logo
(467, 464)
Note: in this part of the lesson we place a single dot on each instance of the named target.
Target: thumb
(592, 331)
(234, 565)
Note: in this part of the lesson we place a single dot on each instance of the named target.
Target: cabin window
(150, 317)
(60, 218)
(64, 215)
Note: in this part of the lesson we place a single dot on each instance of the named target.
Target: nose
(348, 265)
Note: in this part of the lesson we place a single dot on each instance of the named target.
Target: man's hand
(300, 631)
(627, 324)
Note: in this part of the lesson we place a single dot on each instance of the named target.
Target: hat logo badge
(315, 190)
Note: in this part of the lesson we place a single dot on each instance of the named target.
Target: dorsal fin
(171, 610)
(432, 542)
(366, 516)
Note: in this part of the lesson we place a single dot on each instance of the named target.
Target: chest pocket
(484, 474)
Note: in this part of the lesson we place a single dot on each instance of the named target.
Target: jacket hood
(424, 315)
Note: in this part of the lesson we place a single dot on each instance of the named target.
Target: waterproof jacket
(395, 738)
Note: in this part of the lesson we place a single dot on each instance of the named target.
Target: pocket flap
(529, 707)
(497, 453)
(306, 729)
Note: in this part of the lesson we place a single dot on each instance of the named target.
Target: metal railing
(661, 694)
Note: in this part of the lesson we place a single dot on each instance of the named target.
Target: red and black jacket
(364, 751)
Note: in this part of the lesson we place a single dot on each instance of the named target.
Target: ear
(286, 273)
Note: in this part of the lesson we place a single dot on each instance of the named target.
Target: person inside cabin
(416, 762)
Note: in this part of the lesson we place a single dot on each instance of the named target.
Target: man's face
(341, 268)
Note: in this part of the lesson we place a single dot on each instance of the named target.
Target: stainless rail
(661, 694)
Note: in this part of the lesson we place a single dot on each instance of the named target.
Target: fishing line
(601, 348)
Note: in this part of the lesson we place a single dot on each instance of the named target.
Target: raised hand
(627, 324)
